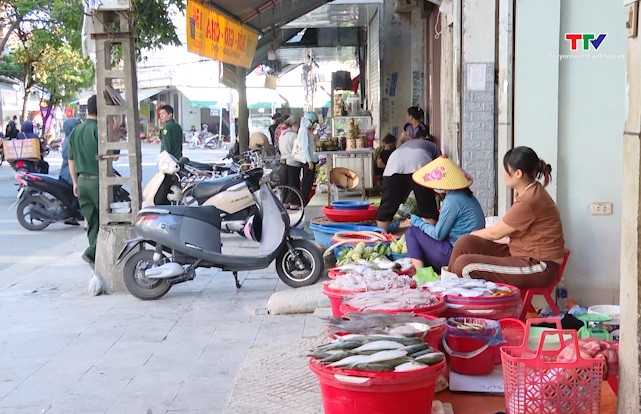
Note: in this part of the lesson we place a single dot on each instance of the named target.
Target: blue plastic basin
(350, 205)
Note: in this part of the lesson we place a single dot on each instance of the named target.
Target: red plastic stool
(546, 292)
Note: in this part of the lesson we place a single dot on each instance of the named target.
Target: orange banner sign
(213, 35)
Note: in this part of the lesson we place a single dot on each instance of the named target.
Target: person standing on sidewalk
(172, 133)
(83, 167)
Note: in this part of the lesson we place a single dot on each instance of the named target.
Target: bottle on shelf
(562, 297)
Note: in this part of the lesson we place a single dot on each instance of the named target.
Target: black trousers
(292, 180)
(396, 188)
(309, 175)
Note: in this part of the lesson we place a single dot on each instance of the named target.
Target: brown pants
(478, 258)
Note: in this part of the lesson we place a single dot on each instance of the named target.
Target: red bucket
(336, 298)
(360, 392)
(469, 355)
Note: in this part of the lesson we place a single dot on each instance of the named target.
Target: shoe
(294, 207)
(286, 205)
(72, 222)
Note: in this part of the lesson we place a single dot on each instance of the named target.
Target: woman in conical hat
(461, 213)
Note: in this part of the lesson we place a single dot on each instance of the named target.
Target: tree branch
(8, 33)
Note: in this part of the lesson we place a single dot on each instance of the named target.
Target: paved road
(17, 243)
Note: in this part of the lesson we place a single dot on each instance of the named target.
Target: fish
(388, 365)
(379, 346)
(431, 358)
(409, 366)
(335, 357)
(386, 355)
(351, 361)
(415, 355)
(412, 349)
(340, 345)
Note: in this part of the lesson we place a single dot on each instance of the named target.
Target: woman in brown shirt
(535, 250)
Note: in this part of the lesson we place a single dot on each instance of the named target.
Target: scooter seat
(208, 214)
(209, 188)
(201, 166)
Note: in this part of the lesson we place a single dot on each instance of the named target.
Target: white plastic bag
(95, 285)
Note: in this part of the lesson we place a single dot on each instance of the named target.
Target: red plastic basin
(434, 310)
(343, 216)
(336, 298)
(360, 392)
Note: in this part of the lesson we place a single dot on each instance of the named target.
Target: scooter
(44, 199)
(186, 238)
(229, 194)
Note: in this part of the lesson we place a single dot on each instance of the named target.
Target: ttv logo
(585, 39)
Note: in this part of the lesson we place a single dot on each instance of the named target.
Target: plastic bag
(95, 285)
(484, 330)
(424, 275)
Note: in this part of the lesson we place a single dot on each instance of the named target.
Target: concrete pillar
(478, 149)
(630, 341)
(243, 111)
(114, 30)
(505, 99)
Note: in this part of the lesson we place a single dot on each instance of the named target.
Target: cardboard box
(21, 149)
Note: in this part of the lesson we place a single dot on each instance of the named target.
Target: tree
(153, 25)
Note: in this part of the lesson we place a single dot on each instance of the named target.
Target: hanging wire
(437, 32)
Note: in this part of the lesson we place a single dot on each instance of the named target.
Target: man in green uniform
(83, 167)
(172, 133)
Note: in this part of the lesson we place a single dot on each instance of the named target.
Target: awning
(148, 93)
(206, 97)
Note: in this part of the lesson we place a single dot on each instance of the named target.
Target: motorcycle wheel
(312, 260)
(137, 283)
(22, 213)
(285, 193)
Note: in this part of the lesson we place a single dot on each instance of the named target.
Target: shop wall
(396, 68)
(590, 147)
(478, 149)
(570, 108)
(189, 116)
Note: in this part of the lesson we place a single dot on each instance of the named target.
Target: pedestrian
(12, 128)
(292, 175)
(277, 119)
(83, 167)
(172, 133)
(415, 117)
(69, 125)
(306, 153)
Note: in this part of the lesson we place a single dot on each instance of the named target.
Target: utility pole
(114, 35)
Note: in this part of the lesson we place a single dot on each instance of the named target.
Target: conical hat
(442, 174)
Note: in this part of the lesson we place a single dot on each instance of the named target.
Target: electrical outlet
(601, 209)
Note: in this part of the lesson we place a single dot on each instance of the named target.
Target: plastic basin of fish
(334, 273)
(435, 334)
(336, 298)
(433, 310)
(360, 392)
(488, 307)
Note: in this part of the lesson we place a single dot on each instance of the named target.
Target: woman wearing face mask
(285, 146)
(461, 213)
(306, 154)
(535, 251)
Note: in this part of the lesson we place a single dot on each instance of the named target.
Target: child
(383, 153)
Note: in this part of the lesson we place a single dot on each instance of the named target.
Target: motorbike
(185, 238)
(205, 140)
(228, 193)
(44, 199)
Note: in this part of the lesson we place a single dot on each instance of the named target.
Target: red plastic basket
(361, 392)
(350, 215)
(535, 382)
(513, 331)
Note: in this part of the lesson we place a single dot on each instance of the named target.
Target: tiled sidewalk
(62, 351)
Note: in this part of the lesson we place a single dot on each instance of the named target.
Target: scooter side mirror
(182, 161)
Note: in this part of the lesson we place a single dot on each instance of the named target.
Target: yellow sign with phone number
(213, 35)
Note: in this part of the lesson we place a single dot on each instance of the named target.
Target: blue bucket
(324, 232)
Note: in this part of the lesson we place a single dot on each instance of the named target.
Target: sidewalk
(63, 351)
